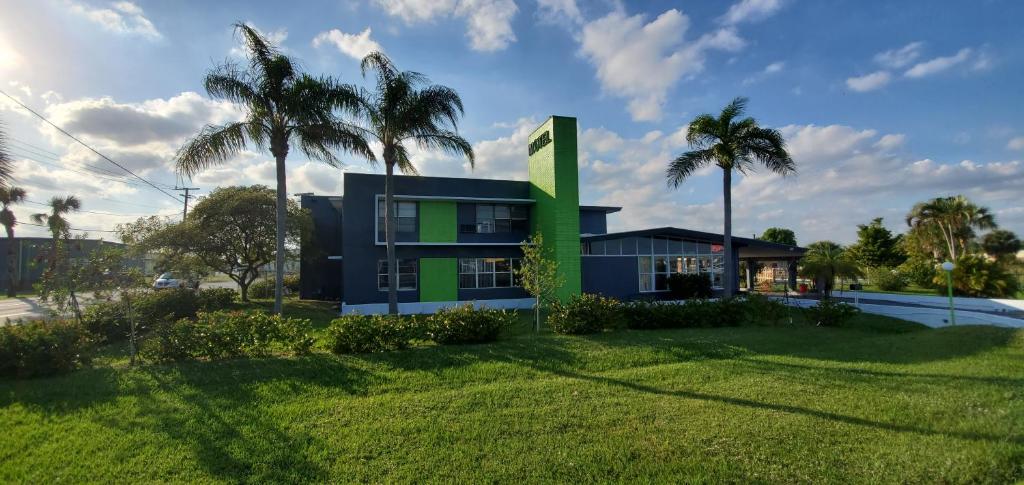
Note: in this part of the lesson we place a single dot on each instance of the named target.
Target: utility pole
(184, 212)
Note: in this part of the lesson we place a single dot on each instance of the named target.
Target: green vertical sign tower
(554, 185)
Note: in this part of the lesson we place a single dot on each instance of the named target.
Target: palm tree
(400, 111)
(730, 143)
(283, 107)
(10, 196)
(57, 221)
(825, 261)
(6, 163)
(955, 218)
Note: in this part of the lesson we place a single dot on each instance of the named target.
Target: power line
(70, 228)
(40, 152)
(98, 212)
(91, 174)
(184, 211)
(69, 135)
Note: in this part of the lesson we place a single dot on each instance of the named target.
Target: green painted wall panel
(439, 279)
(554, 184)
(438, 221)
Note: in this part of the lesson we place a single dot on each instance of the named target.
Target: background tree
(538, 274)
(876, 246)
(6, 162)
(10, 196)
(731, 144)
(1001, 244)
(825, 261)
(400, 111)
(952, 220)
(232, 230)
(283, 107)
(779, 235)
(56, 221)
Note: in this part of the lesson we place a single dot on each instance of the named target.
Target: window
(406, 274)
(499, 218)
(488, 273)
(405, 218)
(646, 274)
(677, 256)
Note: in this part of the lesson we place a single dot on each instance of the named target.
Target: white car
(168, 280)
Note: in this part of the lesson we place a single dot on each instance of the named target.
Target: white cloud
(1016, 143)
(10, 60)
(891, 141)
(356, 46)
(488, 22)
(751, 11)
(898, 58)
(556, 11)
(641, 61)
(121, 18)
(938, 64)
(770, 69)
(869, 82)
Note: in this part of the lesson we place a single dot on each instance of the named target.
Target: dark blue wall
(612, 276)
(593, 221)
(320, 278)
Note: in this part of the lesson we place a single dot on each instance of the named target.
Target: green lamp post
(948, 268)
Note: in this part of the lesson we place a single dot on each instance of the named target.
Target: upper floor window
(498, 218)
(405, 217)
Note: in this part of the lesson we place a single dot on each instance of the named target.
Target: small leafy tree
(825, 261)
(110, 272)
(876, 246)
(779, 235)
(538, 273)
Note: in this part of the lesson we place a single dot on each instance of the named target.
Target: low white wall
(932, 317)
(960, 302)
(433, 306)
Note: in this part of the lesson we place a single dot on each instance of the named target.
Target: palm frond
(216, 144)
(402, 160)
(702, 131)
(319, 142)
(686, 164)
(733, 110)
(768, 146)
(259, 50)
(39, 218)
(447, 142)
(227, 82)
(6, 162)
(11, 195)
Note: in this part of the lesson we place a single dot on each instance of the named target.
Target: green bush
(107, 320)
(585, 313)
(44, 348)
(645, 315)
(918, 271)
(262, 289)
(213, 299)
(467, 325)
(886, 278)
(356, 334)
(291, 284)
(830, 313)
(224, 334)
(760, 309)
(170, 304)
(976, 276)
(690, 285)
(689, 314)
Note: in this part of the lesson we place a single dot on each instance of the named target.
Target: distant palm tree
(10, 196)
(283, 107)
(730, 143)
(57, 222)
(954, 218)
(397, 112)
(6, 163)
(825, 261)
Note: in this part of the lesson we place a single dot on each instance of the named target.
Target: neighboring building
(458, 238)
(30, 254)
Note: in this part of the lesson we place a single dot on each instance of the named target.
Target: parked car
(169, 280)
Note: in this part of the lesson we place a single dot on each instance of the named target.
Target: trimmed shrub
(690, 285)
(44, 348)
(645, 315)
(356, 334)
(694, 313)
(585, 313)
(830, 313)
(887, 279)
(213, 299)
(918, 271)
(107, 320)
(262, 289)
(291, 284)
(223, 334)
(170, 304)
(760, 309)
(467, 325)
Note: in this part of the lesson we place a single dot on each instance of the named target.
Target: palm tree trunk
(282, 210)
(11, 290)
(729, 272)
(389, 236)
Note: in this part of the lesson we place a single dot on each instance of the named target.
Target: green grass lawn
(883, 401)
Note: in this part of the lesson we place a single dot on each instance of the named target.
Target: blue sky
(883, 103)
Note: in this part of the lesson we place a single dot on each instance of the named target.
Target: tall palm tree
(10, 196)
(825, 261)
(955, 218)
(404, 109)
(283, 107)
(6, 163)
(730, 143)
(57, 221)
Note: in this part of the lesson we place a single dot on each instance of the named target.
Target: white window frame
(382, 265)
(378, 221)
(479, 264)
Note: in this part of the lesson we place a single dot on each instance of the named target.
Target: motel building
(458, 239)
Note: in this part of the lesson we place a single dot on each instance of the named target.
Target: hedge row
(42, 348)
(378, 333)
(224, 334)
(109, 320)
